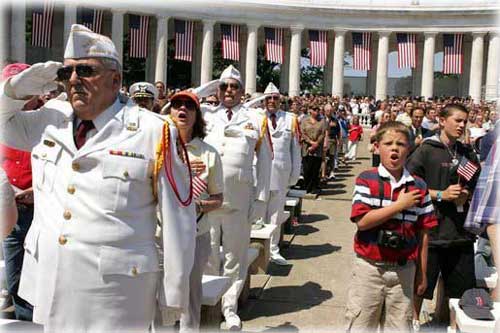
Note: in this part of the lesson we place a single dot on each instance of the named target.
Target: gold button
(67, 214)
(134, 271)
(75, 166)
(125, 173)
(44, 155)
(62, 240)
(71, 189)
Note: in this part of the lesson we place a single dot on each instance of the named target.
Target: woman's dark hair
(199, 126)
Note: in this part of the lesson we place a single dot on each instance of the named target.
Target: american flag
(318, 45)
(184, 40)
(41, 30)
(453, 58)
(199, 186)
(139, 35)
(407, 50)
(91, 18)
(467, 169)
(230, 41)
(361, 44)
(274, 44)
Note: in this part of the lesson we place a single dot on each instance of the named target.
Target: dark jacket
(433, 163)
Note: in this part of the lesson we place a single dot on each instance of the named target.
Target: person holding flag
(450, 170)
(208, 186)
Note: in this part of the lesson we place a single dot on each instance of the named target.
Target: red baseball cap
(13, 69)
(187, 94)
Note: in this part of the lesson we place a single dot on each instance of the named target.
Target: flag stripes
(274, 44)
(199, 186)
(318, 46)
(453, 57)
(361, 44)
(184, 40)
(407, 50)
(139, 36)
(91, 18)
(230, 34)
(41, 30)
(467, 169)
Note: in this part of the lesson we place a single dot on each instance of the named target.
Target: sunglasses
(189, 104)
(233, 86)
(276, 98)
(212, 102)
(64, 73)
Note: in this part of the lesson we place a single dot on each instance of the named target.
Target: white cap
(84, 43)
(271, 89)
(143, 89)
(231, 73)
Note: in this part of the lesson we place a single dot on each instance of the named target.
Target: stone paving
(310, 294)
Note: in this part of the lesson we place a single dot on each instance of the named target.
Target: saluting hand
(408, 199)
(36, 80)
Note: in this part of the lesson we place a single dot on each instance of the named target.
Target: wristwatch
(439, 196)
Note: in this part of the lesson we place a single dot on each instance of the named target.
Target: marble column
(117, 31)
(428, 65)
(295, 47)
(382, 60)
(338, 64)
(251, 59)
(18, 31)
(476, 66)
(328, 70)
(161, 49)
(285, 66)
(69, 19)
(492, 67)
(207, 52)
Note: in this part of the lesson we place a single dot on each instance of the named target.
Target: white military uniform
(285, 170)
(237, 142)
(90, 262)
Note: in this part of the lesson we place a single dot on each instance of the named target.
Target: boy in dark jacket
(437, 161)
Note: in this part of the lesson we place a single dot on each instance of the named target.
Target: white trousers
(352, 148)
(190, 321)
(274, 215)
(232, 226)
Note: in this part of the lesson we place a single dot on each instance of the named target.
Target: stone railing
(365, 120)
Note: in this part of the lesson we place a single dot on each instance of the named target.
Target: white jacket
(90, 258)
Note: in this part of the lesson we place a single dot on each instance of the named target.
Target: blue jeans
(13, 254)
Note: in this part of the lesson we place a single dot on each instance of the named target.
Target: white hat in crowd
(271, 89)
(143, 89)
(231, 73)
(84, 43)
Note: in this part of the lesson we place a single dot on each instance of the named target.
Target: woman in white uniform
(208, 187)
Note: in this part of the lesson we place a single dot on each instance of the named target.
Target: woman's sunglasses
(64, 73)
(189, 104)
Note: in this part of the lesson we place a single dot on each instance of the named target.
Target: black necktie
(81, 132)
(273, 120)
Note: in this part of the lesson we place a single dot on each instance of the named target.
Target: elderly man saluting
(90, 261)
(238, 134)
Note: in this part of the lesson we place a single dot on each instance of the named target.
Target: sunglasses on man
(234, 86)
(64, 73)
(189, 104)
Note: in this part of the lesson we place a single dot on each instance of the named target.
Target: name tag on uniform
(126, 154)
(49, 143)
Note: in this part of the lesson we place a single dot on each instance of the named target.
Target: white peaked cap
(84, 43)
(231, 73)
(271, 89)
(143, 89)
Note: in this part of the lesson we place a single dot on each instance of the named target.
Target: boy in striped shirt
(393, 211)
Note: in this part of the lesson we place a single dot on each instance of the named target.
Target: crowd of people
(98, 170)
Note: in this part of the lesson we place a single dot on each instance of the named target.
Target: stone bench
(261, 240)
(460, 322)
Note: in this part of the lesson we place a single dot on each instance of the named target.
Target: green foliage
(440, 75)
(267, 71)
(133, 68)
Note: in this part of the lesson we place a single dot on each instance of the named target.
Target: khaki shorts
(380, 296)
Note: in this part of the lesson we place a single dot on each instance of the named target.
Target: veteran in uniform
(143, 94)
(285, 170)
(238, 134)
(90, 261)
